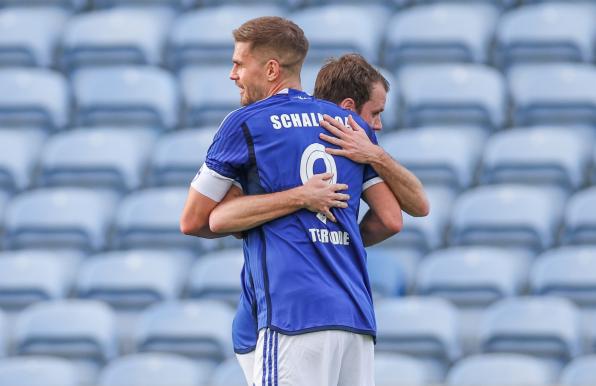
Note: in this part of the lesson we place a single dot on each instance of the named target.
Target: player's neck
(287, 83)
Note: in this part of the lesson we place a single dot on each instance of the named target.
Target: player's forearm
(406, 187)
(247, 212)
(372, 229)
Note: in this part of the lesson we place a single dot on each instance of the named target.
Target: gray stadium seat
(121, 35)
(19, 152)
(33, 97)
(38, 370)
(126, 95)
(133, 279)
(579, 372)
(569, 96)
(29, 35)
(228, 373)
(580, 218)
(215, 276)
(508, 215)
(67, 4)
(401, 370)
(79, 158)
(59, 218)
(464, 94)
(547, 32)
(460, 33)
(386, 273)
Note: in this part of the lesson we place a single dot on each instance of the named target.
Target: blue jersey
(307, 274)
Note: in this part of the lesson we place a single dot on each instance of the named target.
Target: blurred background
(107, 108)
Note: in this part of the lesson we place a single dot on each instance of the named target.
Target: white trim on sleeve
(211, 184)
(371, 182)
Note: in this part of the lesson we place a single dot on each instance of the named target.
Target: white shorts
(323, 358)
(247, 362)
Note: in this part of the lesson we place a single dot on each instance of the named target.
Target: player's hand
(320, 195)
(353, 141)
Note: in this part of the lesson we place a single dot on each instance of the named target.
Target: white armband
(212, 184)
(371, 182)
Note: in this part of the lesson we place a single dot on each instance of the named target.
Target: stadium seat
(59, 217)
(4, 343)
(4, 199)
(205, 36)
(508, 215)
(215, 276)
(567, 271)
(538, 155)
(33, 97)
(133, 279)
(463, 94)
(78, 329)
(547, 32)
(79, 158)
(336, 29)
(126, 95)
(459, 33)
(30, 276)
(19, 150)
(154, 369)
(200, 329)
(445, 156)
(473, 276)
(121, 35)
(387, 276)
(67, 4)
(580, 218)
(178, 156)
(501, 370)
(569, 96)
(151, 218)
(29, 35)
(38, 371)
(228, 373)
(209, 94)
(401, 370)
(544, 326)
(579, 372)
(422, 326)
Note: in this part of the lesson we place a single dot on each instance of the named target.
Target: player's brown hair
(280, 38)
(349, 76)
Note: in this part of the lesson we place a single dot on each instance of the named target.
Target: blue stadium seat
(30, 276)
(445, 156)
(59, 217)
(126, 95)
(501, 370)
(538, 155)
(200, 329)
(19, 150)
(38, 371)
(4, 199)
(67, 4)
(79, 158)
(29, 36)
(580, 218)
(567, 271)
(337, 29)
(228, 373)
(422, 326)
(121, 35)
(215, 276)
(205, 36)
(3, 334)
(33, 97)
(544, 326)
(569, 96)
(386, 274)
(579, 372)
(500, 3)
(547, 32)
(459, 33)
(154, 369)
(151, 218)
(464, 94)
(133, 279)
(508, 215)
(178, 156)
(401, 370)
(473, 276)
(81, 329)
(209, 94)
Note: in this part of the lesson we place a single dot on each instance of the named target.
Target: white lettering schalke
(325, 236)
(299, 120)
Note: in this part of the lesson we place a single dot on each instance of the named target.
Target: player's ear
(348, 104)
(273, 70)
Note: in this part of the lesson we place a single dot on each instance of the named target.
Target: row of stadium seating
(466, 94)
(461, 32)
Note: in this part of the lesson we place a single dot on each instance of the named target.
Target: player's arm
(246, 212)
(384, 218)
(355, 144)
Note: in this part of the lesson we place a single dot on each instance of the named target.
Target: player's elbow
(395, 224)
(422, 209)
(191, 227)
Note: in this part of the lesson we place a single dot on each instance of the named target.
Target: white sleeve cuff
(212, 184)
(371, 182)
